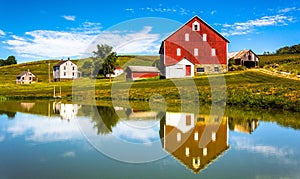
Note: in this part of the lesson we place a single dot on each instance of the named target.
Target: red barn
(194, 48)
(141, 72)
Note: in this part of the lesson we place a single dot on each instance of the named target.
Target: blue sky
(33, 30)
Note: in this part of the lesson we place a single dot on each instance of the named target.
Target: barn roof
(239, 54)
(143, 69)
(201, 20)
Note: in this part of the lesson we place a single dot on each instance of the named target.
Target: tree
(103, 51)
(2, 62)
(11, 60)
(110, 64)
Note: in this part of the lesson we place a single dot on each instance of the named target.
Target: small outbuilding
(141, 72)
(26, 77)
(117, 72)
(245, 58)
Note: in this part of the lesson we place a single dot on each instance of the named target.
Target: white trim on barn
(180, 69)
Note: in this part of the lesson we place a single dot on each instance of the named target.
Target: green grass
(246, 89)
(287, 63)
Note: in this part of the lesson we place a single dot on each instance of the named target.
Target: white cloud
(77, 42)
(69, 18)
(69, 154)
(130, 42)
(44, 130)
(137, 131)
(213, 12)
(2, 33)
(160, 9)
(241, 28)
(282, 153)
(288, 9)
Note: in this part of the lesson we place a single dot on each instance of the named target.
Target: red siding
(177, 40)
(144, 75)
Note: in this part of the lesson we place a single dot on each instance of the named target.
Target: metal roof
(143, 69)
(25, 73)
(239, 54)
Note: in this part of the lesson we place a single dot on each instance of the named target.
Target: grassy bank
(246, 89)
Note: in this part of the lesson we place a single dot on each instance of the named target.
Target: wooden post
(54, 94)
(49, 72)
(60, 91)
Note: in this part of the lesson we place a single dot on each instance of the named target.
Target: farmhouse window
(178, 52)
(204, 37)
(65, 74)
(73, 74)
(187, 37)
(199, 70)
(65, 67)
(73, 68)
(188, 120)
(213, 52)
(195, 51)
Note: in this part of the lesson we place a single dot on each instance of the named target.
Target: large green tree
(110, 64)
(11, 60)
(103, 51)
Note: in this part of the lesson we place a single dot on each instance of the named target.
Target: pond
(52, 139)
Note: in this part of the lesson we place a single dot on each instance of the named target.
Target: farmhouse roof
(143, 69)
(62, 62)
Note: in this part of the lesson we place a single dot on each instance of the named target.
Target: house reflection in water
(247, 126)
(194, 140)
(66, 111)
(27, 105)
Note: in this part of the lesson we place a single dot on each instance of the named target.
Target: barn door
(188, 70)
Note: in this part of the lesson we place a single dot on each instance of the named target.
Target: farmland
(247, 89)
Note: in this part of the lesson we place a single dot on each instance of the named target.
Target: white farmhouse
(65, 70)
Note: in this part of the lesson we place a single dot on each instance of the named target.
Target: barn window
(196, 136)
(204, 151)
(204, 37)
(188, 120)
(178, 52)
(195, 51)
(187, 151)
(199, 70)
(213, 136)
(196, 26)
(187, 37)
(213, 52)
(216, 69)
(178, 137)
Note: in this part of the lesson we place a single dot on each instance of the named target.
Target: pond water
(51, 139)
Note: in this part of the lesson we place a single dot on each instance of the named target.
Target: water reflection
(194, 140)
(183, 133)
(66, 111)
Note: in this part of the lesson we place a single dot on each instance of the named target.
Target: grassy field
(287, 63)
(246, 89)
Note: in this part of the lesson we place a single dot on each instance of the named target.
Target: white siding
(178, 70)
(178, 120)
